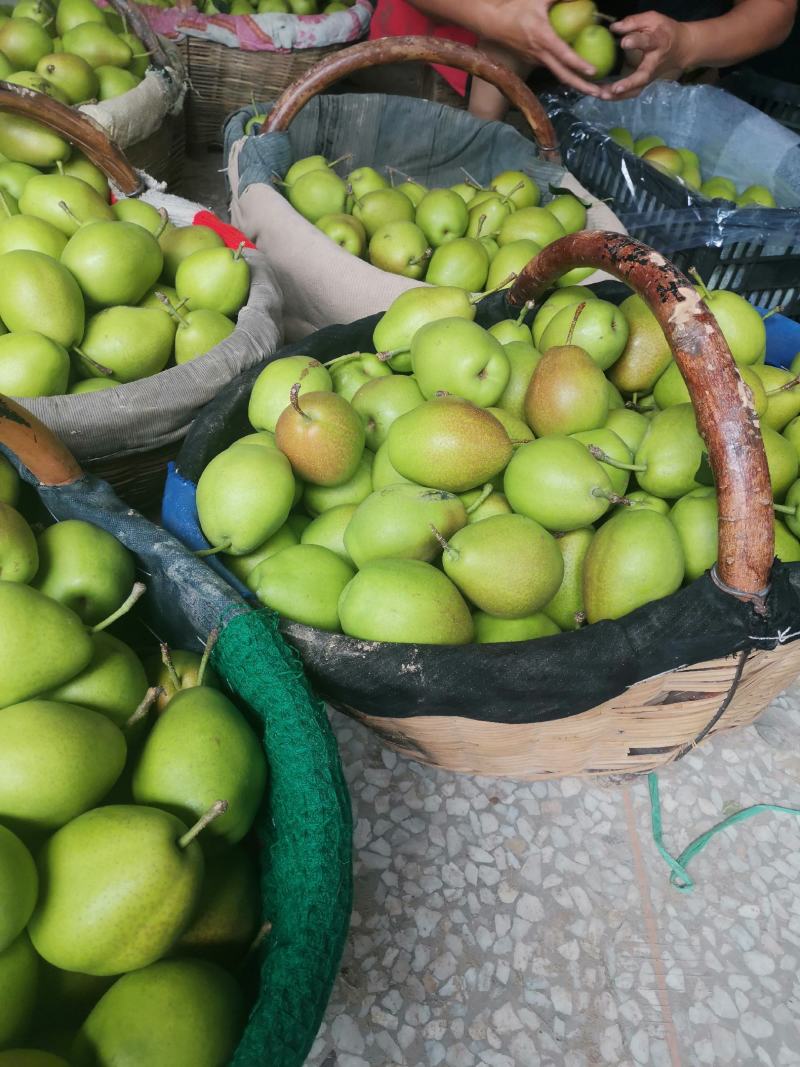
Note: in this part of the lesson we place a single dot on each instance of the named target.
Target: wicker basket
(304, 829)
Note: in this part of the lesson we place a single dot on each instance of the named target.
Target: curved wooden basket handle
(76, 128)
(413, 50)
(36, 445)
(138, 24)
(725, 416)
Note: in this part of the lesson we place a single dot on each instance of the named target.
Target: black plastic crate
(726, 244)
(778, 99)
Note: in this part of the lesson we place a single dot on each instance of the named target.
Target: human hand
(656, 45)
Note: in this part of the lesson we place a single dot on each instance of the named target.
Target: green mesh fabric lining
(306, 832)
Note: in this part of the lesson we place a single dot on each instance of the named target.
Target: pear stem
(512, 190)
(263, 932)
(773, 311)
(529, 305)
(211, 640)
(138, 591)
(580, 618)
(604, 457)
(634, 405)
(612, 498)
(485, 493)
(294, 393)
(166, 659)
(164, 221)
(574, 323)
(782, 388)
(341, 159)
(701, 285)
(426, 255)
(784, 509)
(481, 221)
(445, 545)
(470, 180)
(104, 372)
(150, 697)
(66, 208)
(476, 298)
(201, 553)
(59, 164)
(219, 807)
(4, 203)
(238, 253)
(384, 357)
(172, 311)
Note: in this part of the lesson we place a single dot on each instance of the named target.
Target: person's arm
(668, 48)
(522, 26)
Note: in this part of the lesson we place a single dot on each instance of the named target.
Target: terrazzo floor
(533, 924)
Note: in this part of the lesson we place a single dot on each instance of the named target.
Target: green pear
(23, 140)
(570, 17)
(517, 429)
(305, 166)
(691, 176)
(72, 13)
(410, 311)
(76, 79)
(508, 566)
(243, 497)
(142, 214)
(383, 473)
(10, 483)
(619, 457)
(141, 60)
(180, 242)
(57, 760)
(40, 295)
(614, 397)
(243, 566)
(365, 180)
(566, 608)
(316, 193)
(787, 547)
(78, 166)
(327, 530)
(217, 279)
(28, 80)
(19, 885)
(457, 356)
(30, 1057)
(462, 262)
(667, 159)
(508, 330)
(442, 216)
(379, 208)
(19, 555)
(200, 749)
(671, 453)
(119, 886)
(481, 506)
(694, 517)
(398, 522)
(130, 1023)
(509, 262)
(270, 393)
(113, 683)
(43, 643)
(782, 461)
(569, 211)
(634, 558)
(568, 296)
(716, 188)
(646, 354)
(518, 187)
(84, 568)
(464, 190)
(671, 388)
(317, 499)
(349, 373)
(644, 144)
(758, 195)
(23, 41)
(448, 443)
(198, 332)
(126, 342)
(639, 499)
(557, 482)
(113, 81)
(19, 972)
(404, 600)
(322, 437)
(38, 10)
(486, 216)
(152, 299)
(227, 914)
(380, 401)
(63, 201)
(630, 426)
(596, 326)
(29, 233)
(791, 432)
(490, 630)
(92, 385)
(97, 44)
(535, 224)
(741, 325)
(113, 262)
(347, 232)
(566, 394)
(15, 176)
(401, 248)
(6, 66)
(303, 583)
(188, 669)
(782, 395)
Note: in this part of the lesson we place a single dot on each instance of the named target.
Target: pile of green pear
(71, 50)
(467, 236)
(94, 295)
(464, 484)
(684, 164)
(576, 22)
(264, 7)
(128, 895)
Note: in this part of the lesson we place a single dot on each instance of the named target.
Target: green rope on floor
(680, 877)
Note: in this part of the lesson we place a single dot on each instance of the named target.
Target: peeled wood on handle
(413, 50)
(725, 415)
(74, 127)
(138, 24)
(36, 445)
